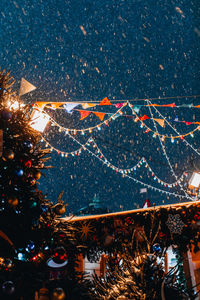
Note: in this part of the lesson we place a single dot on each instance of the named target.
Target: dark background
(131, 50)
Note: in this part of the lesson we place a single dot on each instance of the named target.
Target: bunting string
(185, 141)
(166, 156)
(163, 136)
(134, 179)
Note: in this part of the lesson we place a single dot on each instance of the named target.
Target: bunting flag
(118, 105)
(87, 105)
(161, 122)
(55, 105)
(84, 114)
(25, 87)
(137, 108)
(163, 105)
(1, 142)
(99, 115)
(145, 117)
(69, 106)
(40, 104)
(105, 101)
(146, 204)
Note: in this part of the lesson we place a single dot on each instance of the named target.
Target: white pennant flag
(25, 87)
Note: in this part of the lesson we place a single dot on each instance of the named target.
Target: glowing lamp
(194, 181)
(39, 120)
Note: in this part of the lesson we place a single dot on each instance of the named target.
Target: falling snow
(88, 50)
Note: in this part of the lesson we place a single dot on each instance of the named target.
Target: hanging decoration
(25, 87)
(175, 224)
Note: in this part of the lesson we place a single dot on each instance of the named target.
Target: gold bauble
(43, 294)
(37, 175)
(58, 294)
(13, 201)
(59, 209)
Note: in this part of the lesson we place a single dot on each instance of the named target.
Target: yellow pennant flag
(25, 87)
(87, 105)
(161, 122)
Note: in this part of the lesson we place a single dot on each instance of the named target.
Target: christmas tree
(138, 271)
(37, 256)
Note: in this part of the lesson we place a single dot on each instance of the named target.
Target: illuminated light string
(185, 141)
(90, 129)
(134, 179)
(109, 164)
(156, 133)
(113, 116)
(166, 156)
(140, 162)
(64, 153)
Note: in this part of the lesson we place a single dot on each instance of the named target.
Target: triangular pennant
(105, 101)
(26, 87)
(169, 105)
(137, 108)
(145, 117)
(146, 204)
(118, 105)
(69, 106)
(99, 115)
(41, 104)
(84, 114)
(87, 105)
(55, 105)
(161, 122)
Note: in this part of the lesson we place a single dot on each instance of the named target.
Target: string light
(155, 134)
(166, 156)
(134, 179)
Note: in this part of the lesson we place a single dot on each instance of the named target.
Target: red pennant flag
(169, 105)
(145, 117)
(118, 105)
(188, 123)
(99, 115)
(84, 114)
(105, 101)
(146, 204)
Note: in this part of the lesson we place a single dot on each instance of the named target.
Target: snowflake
(175, 224)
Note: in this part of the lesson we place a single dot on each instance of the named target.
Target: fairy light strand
(187, 143)
(166, 156)
(132, 178)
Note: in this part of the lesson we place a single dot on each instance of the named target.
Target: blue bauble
(28, 145)
(19, 172)
(30, 247)
(6, 115)
(8, 288)
(156, 247)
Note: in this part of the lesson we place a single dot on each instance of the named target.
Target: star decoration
(175, 224)
(85, 230)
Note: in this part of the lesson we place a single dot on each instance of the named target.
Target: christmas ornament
(8, 288)
(43, 294)
(59, 209)
(28, 145)
(6, 115)
(8, 155)
(175, 224)
(156, 247)
(30, 247)
(37, 175)
(19, 172)
(13, 201)
(58, 259)
(58, 294)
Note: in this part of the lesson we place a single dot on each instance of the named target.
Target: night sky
(88, 50)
